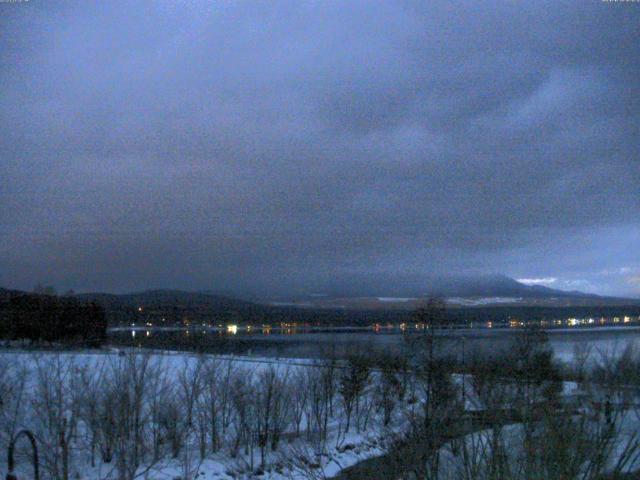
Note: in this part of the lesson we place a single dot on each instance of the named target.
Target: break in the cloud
(564, 284)
(270, 146)
(546, 281)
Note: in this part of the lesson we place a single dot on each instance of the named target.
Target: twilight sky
(269, 146)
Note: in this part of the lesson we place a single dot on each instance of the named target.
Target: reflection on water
(289, 342)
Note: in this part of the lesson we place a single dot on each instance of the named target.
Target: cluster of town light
(233, 329)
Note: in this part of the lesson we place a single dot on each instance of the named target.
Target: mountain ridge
(480, 290)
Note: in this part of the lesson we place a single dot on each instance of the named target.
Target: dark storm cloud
(262, 147)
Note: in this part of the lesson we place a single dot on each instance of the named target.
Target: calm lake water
(340, 341)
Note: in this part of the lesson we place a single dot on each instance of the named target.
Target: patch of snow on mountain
(472, 302)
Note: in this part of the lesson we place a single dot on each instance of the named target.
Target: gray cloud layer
(270, 146)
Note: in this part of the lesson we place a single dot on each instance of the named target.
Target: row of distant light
(572, 322)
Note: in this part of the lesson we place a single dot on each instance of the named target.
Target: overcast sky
(267, 146)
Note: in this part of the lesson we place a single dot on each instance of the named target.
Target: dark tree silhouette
(52, 319)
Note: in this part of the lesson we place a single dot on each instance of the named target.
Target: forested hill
(193, 308)
(170, 307)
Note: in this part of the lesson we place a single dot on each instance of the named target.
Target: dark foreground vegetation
(521, 420)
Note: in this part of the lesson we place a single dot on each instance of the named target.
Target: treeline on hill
(175, 307)
(257, 314)
(51, 319)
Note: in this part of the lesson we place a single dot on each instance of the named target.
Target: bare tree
(353, 380)
(272, 408)
(90, 409)
(582, 354)
(13, 398)
(160, 390)
(226, 377)
(56, 407)
(299, 393)
(208, 408)
(389, 388)
(242, 395)
(172, 422)
(320, 383)
(130, 377)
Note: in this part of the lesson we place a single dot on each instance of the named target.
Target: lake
(316, 343)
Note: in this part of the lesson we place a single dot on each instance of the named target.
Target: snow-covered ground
(303, 456)
(474, 302)
(299, 454)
